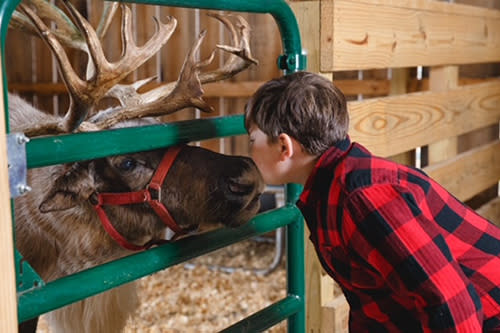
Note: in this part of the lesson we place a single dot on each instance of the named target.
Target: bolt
(22, 139)
(23, 188)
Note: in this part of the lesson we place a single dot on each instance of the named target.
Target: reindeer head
(225, 190)
(201, 188)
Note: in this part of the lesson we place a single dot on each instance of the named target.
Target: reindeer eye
(127, 164)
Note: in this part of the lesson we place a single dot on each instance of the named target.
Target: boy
(408, 255)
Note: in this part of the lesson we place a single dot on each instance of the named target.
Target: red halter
(151, 194)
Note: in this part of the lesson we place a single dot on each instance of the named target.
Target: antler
(103, 77)
(85, 94)
(65, 31)
(187, 90)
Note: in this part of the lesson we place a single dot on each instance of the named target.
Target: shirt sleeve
(385, 228)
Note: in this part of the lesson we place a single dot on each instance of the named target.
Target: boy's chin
(272, 182)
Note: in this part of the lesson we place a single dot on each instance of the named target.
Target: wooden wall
(426, 92)
(421, 77)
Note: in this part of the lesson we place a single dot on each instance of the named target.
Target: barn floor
(205, 300)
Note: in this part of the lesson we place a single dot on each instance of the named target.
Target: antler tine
(240, 54)
(127, 94)
(95, 51)
(71, 79)
(240, 58)
(227, 23)
(186, 93)
(66, 32)
(108, 12)
(109, 74)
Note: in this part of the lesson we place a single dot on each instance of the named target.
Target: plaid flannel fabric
(408, 255)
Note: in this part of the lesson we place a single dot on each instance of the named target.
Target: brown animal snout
(238, 188)
(243, 192)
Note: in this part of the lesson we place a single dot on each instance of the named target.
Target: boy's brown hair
(304, 105)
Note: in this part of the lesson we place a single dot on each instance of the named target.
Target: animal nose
(236, 187)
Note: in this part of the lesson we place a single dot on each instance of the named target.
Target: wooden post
(441, 79)
(398, 86)
(335, 315)
(324, 311)
(8, 309)
(308, 19)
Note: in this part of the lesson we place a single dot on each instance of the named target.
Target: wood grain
(469, 173)
(383, 33)
(8, 310)
(391, 125)
(491, 211)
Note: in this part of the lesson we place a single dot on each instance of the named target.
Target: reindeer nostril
(240, 189)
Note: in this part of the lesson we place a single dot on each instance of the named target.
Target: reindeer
(87, 213)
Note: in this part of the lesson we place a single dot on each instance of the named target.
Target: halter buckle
(155, 192)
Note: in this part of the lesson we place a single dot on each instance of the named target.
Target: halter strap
(151, 194)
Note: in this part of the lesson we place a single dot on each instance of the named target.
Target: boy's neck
(304, 167)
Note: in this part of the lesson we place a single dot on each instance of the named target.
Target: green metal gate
(36, 297)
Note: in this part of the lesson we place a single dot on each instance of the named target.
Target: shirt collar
(330, 155)
(318, 183)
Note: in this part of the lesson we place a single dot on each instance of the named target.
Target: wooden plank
(336, 316)
(8, 310)
(237, 89)
(391, 125)
(478, 137)
(374, 87)
(491, 211)
(446, 6)
(423, 85)
(244, 89)
(366, 34)
(469, 173)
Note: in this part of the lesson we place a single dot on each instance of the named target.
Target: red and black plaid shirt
(408, 255)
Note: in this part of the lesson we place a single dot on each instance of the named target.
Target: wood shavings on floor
(191, 297)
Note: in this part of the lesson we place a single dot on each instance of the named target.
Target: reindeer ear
(71, 188)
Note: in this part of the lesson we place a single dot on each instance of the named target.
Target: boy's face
(266, 156)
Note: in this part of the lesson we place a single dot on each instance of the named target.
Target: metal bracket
(16, 156)
(26, 277)
(292, 62)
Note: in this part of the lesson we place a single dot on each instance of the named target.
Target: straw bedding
(191, 297)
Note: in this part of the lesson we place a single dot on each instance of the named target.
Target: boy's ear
(286, 146)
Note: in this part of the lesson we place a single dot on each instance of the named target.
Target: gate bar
(268, 316)
(67, 148)
(292, 60)
(72, 288)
